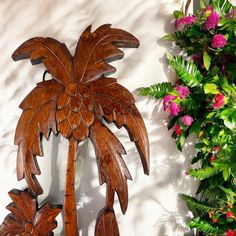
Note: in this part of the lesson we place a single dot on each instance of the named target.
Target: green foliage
(206, 60)
(198, 205)
(187, 71)
(204, 226)
(203, 173)
(210, 88)
(205, 106)
(157, 90)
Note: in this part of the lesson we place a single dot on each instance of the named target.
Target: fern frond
(157, 90)
(204, 173)
(186, 70)
(194, 203)
(204, 226)
(174, 36)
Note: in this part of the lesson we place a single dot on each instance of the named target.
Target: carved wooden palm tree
(74, 103)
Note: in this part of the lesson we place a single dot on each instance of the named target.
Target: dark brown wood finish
(74, 103)
(26, 218)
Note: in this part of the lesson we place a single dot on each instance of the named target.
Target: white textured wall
(154, 208)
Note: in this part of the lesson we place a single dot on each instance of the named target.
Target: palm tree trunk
(71, 226)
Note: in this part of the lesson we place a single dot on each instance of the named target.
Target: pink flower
(219, 101)
(212, 21)
(183, 91)
(218, 41)
(208, 10)
(178, 130)
(230, 232)
(187, 20)
(174, 109)
(231, 14)
(167, 100)
(187, 120)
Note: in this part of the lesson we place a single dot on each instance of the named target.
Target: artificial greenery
(202, 102)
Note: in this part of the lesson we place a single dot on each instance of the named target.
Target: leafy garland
(203, 102)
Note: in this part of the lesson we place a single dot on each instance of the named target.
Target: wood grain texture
(26, 218)
(74, 103)
(106, 223)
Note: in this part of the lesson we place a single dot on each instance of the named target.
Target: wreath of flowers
(202, 101)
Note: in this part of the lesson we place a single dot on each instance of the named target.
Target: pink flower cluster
(187, 120)
(187, 20)
(170, 105)
(218, 41)
(169, 100)
(183, 91)
(212, 21)
(208, 10)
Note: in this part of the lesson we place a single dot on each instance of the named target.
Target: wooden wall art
(74, 103)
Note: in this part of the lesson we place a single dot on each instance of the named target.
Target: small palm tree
(74, 103)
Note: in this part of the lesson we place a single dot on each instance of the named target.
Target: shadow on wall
(89, 199)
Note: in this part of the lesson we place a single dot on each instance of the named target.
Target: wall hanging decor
(202, 101)
(74, 103)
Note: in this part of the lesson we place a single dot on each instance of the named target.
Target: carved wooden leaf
(116, 104)
(38, 117)
(55, 56)
(96, 49)
(26, 218)
(112, 168)
(106, 223)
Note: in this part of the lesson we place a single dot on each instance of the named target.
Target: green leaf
(226, 173)
(210, 88)
(229, 117)
(157, 90)
(203, 4)
(228, 88)
(194, 203)
(178, 14)
(206, 60)
(170, 37)
(186, 70)
(228, 191)
(223, 5)
(203, 173)
(172, 122)
(204, 226)
(180, 142)
(196, 127)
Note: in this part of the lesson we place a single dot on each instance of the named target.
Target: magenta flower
(167, 100)
(231, 14)
(174, 109)
(218, 41)
(187, 20)
(208, 10)
(212, 21)
(187, 120)
(219, 101)
(183, 91)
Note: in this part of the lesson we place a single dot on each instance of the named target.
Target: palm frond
(157, 90)
(204, 173)
(186, 70)
(204, 226)
(194, 203)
